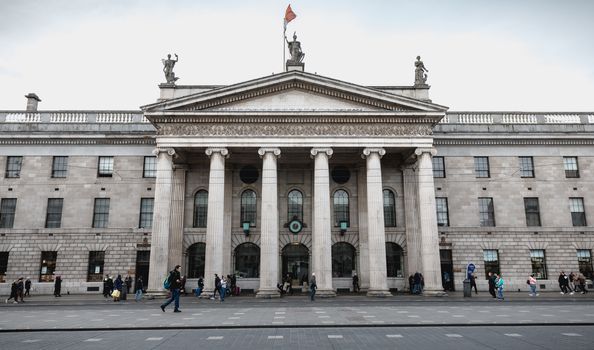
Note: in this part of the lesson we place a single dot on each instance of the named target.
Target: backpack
(167, 282)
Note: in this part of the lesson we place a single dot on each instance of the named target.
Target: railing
(68, 117)
(518, 118)
(23, 118)
(105, 117)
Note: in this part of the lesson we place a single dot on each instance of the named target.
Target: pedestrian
(117, 288)
(109, 285)
(27, 287)
(105, 286)
(499, 284)
(234, 287)
(564, 283)
(128, 281)
(572, 280)
(287, 284)
(492, 279)
(182, 287)
(58, 287)
(582, 283)
(174, 280)
(411, 284)
(532, 283)
(217, 287)
(313, 286)
(20, 290)
(473, 282)
(13, 293)
(223, 290)
(421, 284)
(200, 286)
(139, 288)
(417, 283)
(355, 283)
(446, 281)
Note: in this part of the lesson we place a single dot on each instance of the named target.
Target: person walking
(217, 287)
(492, 279)
(20, 290)
(128, 282)
(223, 288)
(58, 287)
(581, 283)
(139, 288)
(355, 283)
(572, 282)
(174, 280)
(473, 283)
(117, 288)
(109, 285)
(13, 293)
(532, 283)
(200, 286)
(499, 284)
(564, 283)
(313, 286)
(27, 287)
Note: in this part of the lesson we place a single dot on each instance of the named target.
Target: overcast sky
(481, 54)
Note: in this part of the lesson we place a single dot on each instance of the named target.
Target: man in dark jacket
(492, 284)
(174, 286)
(27, 287)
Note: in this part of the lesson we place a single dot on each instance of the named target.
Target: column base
(328, 293)
(156, 294)
(268, 294)
(379, 293)
(434, 293)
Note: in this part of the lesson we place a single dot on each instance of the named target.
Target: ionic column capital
(170, 151)
(274, 150)
(315, 151)
(429, 150)
(367, 151)
(223, 151)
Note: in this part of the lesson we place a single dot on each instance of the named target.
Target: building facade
(291, 174)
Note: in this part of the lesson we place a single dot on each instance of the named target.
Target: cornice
(339, 118)
(77, 141)
(493, 142)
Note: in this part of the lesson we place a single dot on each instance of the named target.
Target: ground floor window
(539, 263)
(48, 266)
(247, 260)
(96, 261)
(491, 259)
(584, 261)
(296, 262)
(196, 259)
(3, 266)
(394, 260)
(343, 260)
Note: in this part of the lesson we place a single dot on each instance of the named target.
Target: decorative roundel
(295, 226)
(341, 175)
(249, 174)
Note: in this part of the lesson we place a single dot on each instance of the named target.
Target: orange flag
(289, 16)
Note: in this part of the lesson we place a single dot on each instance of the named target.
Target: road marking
(94, 339)
(142, 319)
(234, 318)
(502, 315)
(279, 317)
(155, 314)
(453, 335)
(394, 335)
(447, 312)
(215, 338)
(547, 315)
(361, 312)
(275, 337)
(278, 322)
(334, 336)
(572, 334)
(320, 312)
(377, 321)
(237, 313)
(196, 314)
(328, 322)
(427, 321)
(325, 316)
(113, 315)
(402, 312)
(154, 339)
(31, 340)
(97, 320)
(64, 316)
(413, 316)
(189, 318)
(513, 334)
(369, 316)
(228, 323)
(279, 313)
(523, 310)
(458, 316)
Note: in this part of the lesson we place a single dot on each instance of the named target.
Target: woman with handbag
(117, 288)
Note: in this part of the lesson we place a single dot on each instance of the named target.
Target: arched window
(248, 207)
(343, 260)
(295, 205)
(394, 260)
(200, 208)
(341, 207)
(389, 209)
(247, 260)
(196, 253)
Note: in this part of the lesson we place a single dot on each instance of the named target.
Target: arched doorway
(196, 258)
(296, 263)
(343, 260)
(247, 260)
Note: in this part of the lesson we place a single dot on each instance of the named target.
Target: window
(441, 203)
(7, 210)
(438, 167)
(526, 167)
(584, 257)
(196, 260)
(96, 260)
(486, 211)
(394, 260)
(150, 167)
(47, 266)
(248, 207)
(343, 260)
(578, 215)
(146, 212)
(13, 166)
(481, 167)
(491, 258)
(101, 212)
(389, 209)
(200, 208)
(532, 210)
(571, 167)
(60, 167)
(3, 266)
(539, 263)
(341, 207)
(247, 260)
(53, 218)
(295, 205)
(105, 167)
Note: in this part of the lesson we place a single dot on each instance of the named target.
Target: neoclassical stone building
(291, 174)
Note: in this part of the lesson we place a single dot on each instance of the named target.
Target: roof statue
(420, 76)
(295, 50)
(168, 69)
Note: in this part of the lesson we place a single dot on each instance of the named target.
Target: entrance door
(142, 266)
(296, 263)
(447, 269)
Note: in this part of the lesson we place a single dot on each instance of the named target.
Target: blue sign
(469, 270)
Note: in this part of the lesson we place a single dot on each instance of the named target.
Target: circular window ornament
(249, 174)
(295, 226)
(341, 175)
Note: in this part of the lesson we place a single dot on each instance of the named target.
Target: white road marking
(236, 313)
(452, 335)
(189, 318)
(94, 339)
(368, 316)
(196, 314)
(154, 339)
(547, 315)
(502, 315)
(572, 334)
(334, 336)
(513, 334)
(361, 312)
(394, 335)
(278, 322)
(377, 321)
(320, 312)
(325, 316)
(31, 340)
(215, 338)
(415, 316)
(402, 312)
(279, 317)
(275, 337)
(234, 318)
(328, 322)
(279, 313)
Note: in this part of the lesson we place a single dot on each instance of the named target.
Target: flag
(289, 16)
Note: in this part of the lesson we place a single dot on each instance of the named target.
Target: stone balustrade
(518, 118)
(105, 117)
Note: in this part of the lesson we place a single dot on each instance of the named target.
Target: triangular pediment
(293, 91)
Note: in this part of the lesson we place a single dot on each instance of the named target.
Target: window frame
(50, 262)
(534, 263)
(578, 218)
(479, 167)
(53, 216)
(489, 220)
(526, 172)
(3, 265)
(145, 219)
(96, 259)
(438, 165)
(341, 211)
(200, 212)
(440, 214)
(59, 167)
(249, 210)
(196, 260)
(7, 212)
(149, 168)
(531, 213)
(295, 209)
(394, 265)
(571, 173)
(98, 221)
(247, 262)
(105, 172)
(389, 208)
(585, 262)
(491, 265)
(13, 169)
(338, 267)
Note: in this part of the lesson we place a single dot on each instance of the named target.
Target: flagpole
(284, 35)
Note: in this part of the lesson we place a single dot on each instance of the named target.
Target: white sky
(531, 55)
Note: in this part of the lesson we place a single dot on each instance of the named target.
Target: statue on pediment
(168, 69)
(295, 50)
(420, 75)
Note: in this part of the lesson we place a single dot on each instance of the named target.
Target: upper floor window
(481, 167)
(441, 204)
(53, 218)
(532, 210)
(438, 167)
(13, 166)
(486, 211)
(101, 212)
(200, 208)
(341, 207)
(150, 167)
(59, 166)
(578, 215)
(105, 168)
(248, 207)
(570, 164)
(7, 210)
(526, 167)
(389, 209)
(584, 257)
(146, 212)
(295, 205)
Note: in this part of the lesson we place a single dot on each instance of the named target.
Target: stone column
(215, 219)
(159, 259)
(376, 233)
(363, 231)
(269, 227)
(176, 236)
(322, 223)
(411, 219)
(430, 261)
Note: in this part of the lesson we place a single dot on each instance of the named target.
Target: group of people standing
(496, 284)
(19, 289)
(119, 288)
(416, 283)
(574, 282)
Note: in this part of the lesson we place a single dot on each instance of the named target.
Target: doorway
(143, 258)
(447, 269)
(296, 263)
